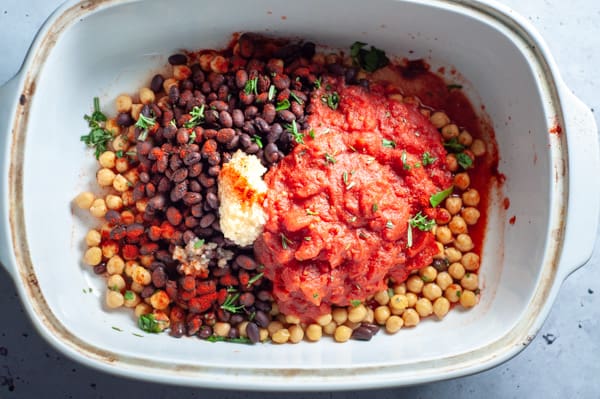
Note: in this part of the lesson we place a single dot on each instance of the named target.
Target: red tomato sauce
(338, 206)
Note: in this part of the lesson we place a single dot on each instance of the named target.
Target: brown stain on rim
(447, 367)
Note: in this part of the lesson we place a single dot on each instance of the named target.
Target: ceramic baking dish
(547, 141)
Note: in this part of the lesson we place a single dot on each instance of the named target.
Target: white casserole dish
(108, 47)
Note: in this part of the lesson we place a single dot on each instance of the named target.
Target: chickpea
(396, 97)
(160, 300)
(382, 297)
(342, 334)
(146, 260)
(432, 291)
(281, 336)
(468, 299)
(263, 334)
(400, 289)
(453, 205)
(425, 112)
(462, 180)
(381, 314)
(324, 319)
(456, 270)
(204, 61)
(296, 334)
(314, 332)
(114, 299)
(120, 143)
(453, 293)
(424, 307)
(478, 147)
(120, 183)
(107, 159)
(444, 235)
(463, 243)
(112, 126)
(457, 225)
(443, 280)
(465, 138)
(471, 197)
(131, 299)
(221, 329)
(441, 306)
(170, 82)
(141, 275)
(274, 326)
(84, 200)
(115, 265)
(470, 281)
(452, 254)
(329, 329)
(146, 96)
(93, 238)
(129, 266)
(450, 131)
(428, 274)
(122, 165)
(243, 328)
(123, 103)
(470, 261)
(440, 250)
(339, 315)
(142, 308)
(451, 162)
(439, 119)
(470, 215)
(414, 284)
(393, 324)
(116, 283)
(319, 59)
(93, 256)
(113, 202)
(331, 58)
(127, 198)
(352, 324)
(105, 177)
(132, 175)
(410, 317)
(136, 287)
(219, 64)
(356, 314)
(399, 302)
(292, 319)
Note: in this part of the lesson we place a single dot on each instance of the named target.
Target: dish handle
(584, 191)
(8, 104)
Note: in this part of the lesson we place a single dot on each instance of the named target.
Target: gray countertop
(562, 361)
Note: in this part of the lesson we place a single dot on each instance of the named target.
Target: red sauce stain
(453, 71)
(556, 129)
(512, 220)
(506, 203)
(441, 70)
(283, 17)
(535, 158)
(269, 12)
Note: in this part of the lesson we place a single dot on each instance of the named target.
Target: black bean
(271, 153)
(214, 158)
(183, 136)
(249, 128)
(159, 277)
(178, 191)
(162, 164)
(164, 185)
(362, 334)
(212, 200)
(211, 116)
(253, 332)
(225, 135)
(144, 177)
(233, 333)
(223, 315)
(177, 329)
(350, 75)
(125, 119)
(197, 210)
(246, 98)
(262, 125)
(179, 175)
(246, 262)
(364, 83)
(194, 186)
(241, 77)
(191, 198)
(440, 264)
(297, 109)
(112, 216)
(237, 117)
(246, 46)
(274, 132)
(265, 306)
(156, 83)
(236, 319)
(225, 119)
(174, 94)
(219, 105)
(269, 113)
(138, 191)
(100, 268)
(188, 235)
(206, 181)
(281, 82)
(250, 112)
(233, 144)
(252, 148)
(205, 332)
(374, 328)
(263, 83)
(336, 69)
(207, 220)
(308, 50)
(223, 93)
(214, 170)
(287, 115)
(192, 158)
(147, 291)
(205, 87)
(178, 59)
(157, 202)
(261, 319)
(264, 295)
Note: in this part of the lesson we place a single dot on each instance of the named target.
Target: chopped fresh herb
(148, 323)
(271, 94)
(145, 122)
(405, 165)
(296, 98)
(332, 100)
(355, 302)
(311, 133)
(388, 143)
(229, 304)
(307, 238)
(131, 153)
(417, 164)
(254, 279)
(428, 159)
(119, 154)
(318, 82)
(293, 129)
(352, 148)
(409, 241)
(438, 197)
(477, 291)
(116, 328)
(329, 158)
(281, 105)
(369, 60)
(239, 340)
(198, 244)
(353, 219)
(458, 293)
(375, 207)
(328, 87)
(389, 225)
(362, 234)
(197, 114)
(425, 279)
(345, 177)
(137, 335)
(454, 86)
(315, 295)
(256, 139)
(231, 289)
(464, 160)
(453, 145)
(390, 292)
(192, 137)
(421, 222)
(98, 137)
(129, 295)
(388, 114)
(285, 241)
(311, 213)
(143, 135)
(350, 185)
(251, 86)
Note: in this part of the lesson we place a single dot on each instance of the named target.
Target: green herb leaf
(293, 128)
(271, 94)
(421, 222)
(148, 323)
(405, 165)
(197, 114)
(129, 295)
(388, 143)
(453, 145)
(330, 158)
(390, 292)
(192, 137)
(311, 213)
(285, 241)
(98, 137)
(428, 159)
(355, 302)
(318, 82)
(409, 240)
(198, 244)
(332, 100)
(345, 178)
(369, 60)
(229, 304)
(282, 105)
(296, 98)
(375, 207)
(255, 279)
(145, 122)
(315, 295)
(119, 154)
(389, 225)
(239, 340)
(256, 139)
(307, 238)
(454, 86)
(251, 86)
(464, 160)
(116, 329)
(311, 134)
(438, 197)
